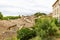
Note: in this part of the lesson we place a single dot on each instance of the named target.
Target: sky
(25, 7)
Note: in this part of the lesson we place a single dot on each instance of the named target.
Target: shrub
(25, 34)
(45, 28)
(36, 38)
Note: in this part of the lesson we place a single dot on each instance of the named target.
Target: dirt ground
(57, 38)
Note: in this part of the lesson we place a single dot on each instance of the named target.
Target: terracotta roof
(55, 2)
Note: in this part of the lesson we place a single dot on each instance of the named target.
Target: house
(56, 9)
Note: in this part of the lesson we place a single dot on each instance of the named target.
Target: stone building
(56, 9)
(8, 28)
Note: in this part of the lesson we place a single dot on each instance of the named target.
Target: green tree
(1, 16)
(11, 17)
(39, 14)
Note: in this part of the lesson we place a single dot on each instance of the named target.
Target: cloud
(25, 7)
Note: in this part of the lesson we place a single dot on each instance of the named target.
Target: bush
(45, 28)
(25, 34)
(36, 38)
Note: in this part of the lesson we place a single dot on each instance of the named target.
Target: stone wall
(8, 28)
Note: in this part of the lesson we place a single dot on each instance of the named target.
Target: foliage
(1, 16)
(25, 34)
(36, 38)
(10, 17)
(46, 28)
(39, 14)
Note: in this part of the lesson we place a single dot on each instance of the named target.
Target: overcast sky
(25, 7)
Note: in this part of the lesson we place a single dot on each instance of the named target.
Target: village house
(56, 9)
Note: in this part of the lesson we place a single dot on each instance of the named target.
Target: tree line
(8, 17)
